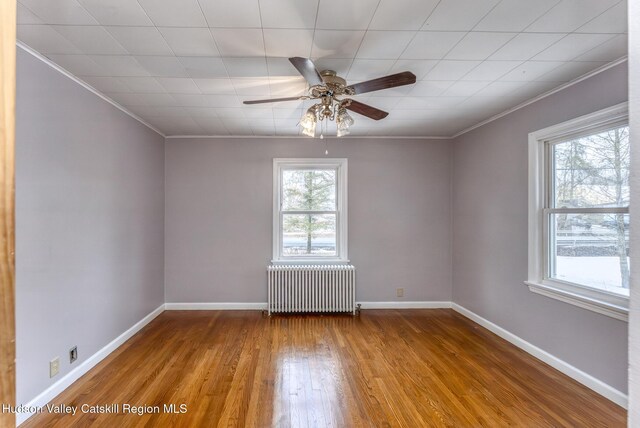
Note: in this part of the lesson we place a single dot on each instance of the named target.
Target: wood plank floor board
(385, 368)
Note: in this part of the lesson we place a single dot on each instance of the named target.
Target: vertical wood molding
(7, 215)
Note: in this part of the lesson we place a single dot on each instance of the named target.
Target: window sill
(310, 262)
(614, 310)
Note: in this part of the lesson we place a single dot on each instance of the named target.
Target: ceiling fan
(329, 88)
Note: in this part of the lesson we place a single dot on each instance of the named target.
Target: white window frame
(340, 165)
(600, 301)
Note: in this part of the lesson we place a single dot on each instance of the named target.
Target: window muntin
(586, 210)
(310, 210)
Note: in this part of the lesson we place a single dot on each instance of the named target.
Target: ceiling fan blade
(386, 82)
(366, 110)
(274, 100)
(307, 68)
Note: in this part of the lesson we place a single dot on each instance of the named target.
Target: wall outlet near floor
(400, 292)
(73, 354)
(54, 367)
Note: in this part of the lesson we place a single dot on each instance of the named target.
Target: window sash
(548, 226)
(340, 212)
(309, 256)
(549, 165)
(335, 168)
(549, 239)
(306, 256)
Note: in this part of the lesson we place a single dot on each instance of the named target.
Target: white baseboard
(586, 379)
(405, 305)
(216, 306)
(259, 306)
(50, 393)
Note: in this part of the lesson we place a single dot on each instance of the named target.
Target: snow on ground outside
(598, 272)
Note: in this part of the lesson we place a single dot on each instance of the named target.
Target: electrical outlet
(400, 292)
(54, 367)
(73, 354)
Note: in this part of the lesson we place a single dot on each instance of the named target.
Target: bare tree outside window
(592, 172)
(309, 212)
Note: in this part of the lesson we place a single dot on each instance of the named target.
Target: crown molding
(402, 137)
(61, 70)
(544, 95)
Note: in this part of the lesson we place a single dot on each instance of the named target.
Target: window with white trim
(579, 212)
(310, 210)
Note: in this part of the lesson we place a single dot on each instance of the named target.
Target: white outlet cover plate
(54, 367)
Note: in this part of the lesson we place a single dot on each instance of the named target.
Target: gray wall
(89, 223)
(219, 211)
(490, 234)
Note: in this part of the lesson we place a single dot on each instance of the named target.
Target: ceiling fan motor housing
(333, 85)
(330, 77)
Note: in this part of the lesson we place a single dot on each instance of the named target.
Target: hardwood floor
(386, 368)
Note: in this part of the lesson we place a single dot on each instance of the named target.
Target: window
(579, 212)
(310, 210)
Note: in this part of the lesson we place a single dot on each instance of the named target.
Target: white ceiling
(185, 66)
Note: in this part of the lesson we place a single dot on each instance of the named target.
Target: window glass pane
(592, 171)
(309, 190)
(309, 234)
(591, 250)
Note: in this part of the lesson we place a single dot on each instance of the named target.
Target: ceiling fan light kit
(329, 88)
(328, 108)
(308, 122)
(343, 122)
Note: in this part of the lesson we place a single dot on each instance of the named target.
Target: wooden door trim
(7, 209)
